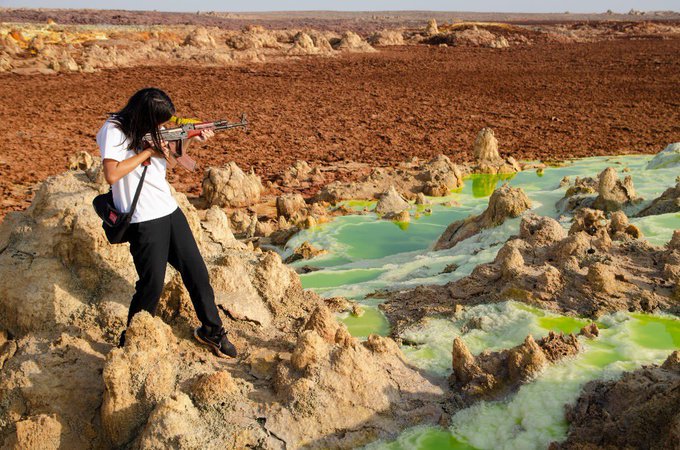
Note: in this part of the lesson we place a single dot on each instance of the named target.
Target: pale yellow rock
(352, 42)
(213, 388)
(200, 37)
(230, 186)
(311, 349)
(42, 432)
(431, 29)
(288, 205)
(391, 203)
(505, 202)
(137, 377)
(175, 423)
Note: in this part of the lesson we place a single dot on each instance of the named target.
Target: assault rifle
(188, 128)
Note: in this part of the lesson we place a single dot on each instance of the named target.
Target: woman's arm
(115, 170)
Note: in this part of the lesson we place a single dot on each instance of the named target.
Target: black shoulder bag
(114, 222)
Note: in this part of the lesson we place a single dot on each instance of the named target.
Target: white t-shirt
(155, 199)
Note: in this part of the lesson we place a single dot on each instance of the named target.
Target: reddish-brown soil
(547, 101)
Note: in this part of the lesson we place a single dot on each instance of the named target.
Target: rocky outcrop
(217, 230)
(306, 44)
(41, 432)
(580, 193)
(50, 392)
(176, 423)
(640, 410)
(541, 231)
(76, 304)
(321, 41)
(231, 187)
(253, 38)
(137, 377)
(391, 204)
(431, 28)
(303, 41)
(352, 42)
(608, 193)
(421, 199)
(80, 161)
(613, 193)
(5, 62)
(293, 213)
(620, 229)
(386, 37)
(600, 266)
(667, 158)
(668, 202)
(436, 177)
(288, 205)
(297, 174)
(200, 37)
(327, 364)
(472, 36)
(36, 49)
(305, 251)
(58, 249)
(485, 149)
(487, 158)
(494, 374)
(506, 202)
(440, 177)
(64, 304)
(479, 37)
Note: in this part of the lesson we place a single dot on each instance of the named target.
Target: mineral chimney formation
(391, 204)
(486, 147)
(488, 159)
(492, 374)
(614, 194)
(506, 202)
(431, 28)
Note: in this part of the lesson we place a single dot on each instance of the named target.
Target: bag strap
(139, 190)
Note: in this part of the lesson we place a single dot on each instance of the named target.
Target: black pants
(153, 245)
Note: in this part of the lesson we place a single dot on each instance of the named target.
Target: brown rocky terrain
(667, 202)
(544, 99)
(493, 374)
(640, 410)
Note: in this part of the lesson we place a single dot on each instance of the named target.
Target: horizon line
(340, 11)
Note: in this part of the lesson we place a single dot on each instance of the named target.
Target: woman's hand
(115, 170)
(152, 152)
(205, 135)
(165, 150)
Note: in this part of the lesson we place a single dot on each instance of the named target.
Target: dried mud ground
(547, 101)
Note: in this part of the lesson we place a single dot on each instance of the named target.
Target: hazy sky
(357, 5)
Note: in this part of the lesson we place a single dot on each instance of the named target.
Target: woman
(159, 232)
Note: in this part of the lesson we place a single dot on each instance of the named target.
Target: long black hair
(144, 112)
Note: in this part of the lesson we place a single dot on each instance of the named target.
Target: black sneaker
(218, 342)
